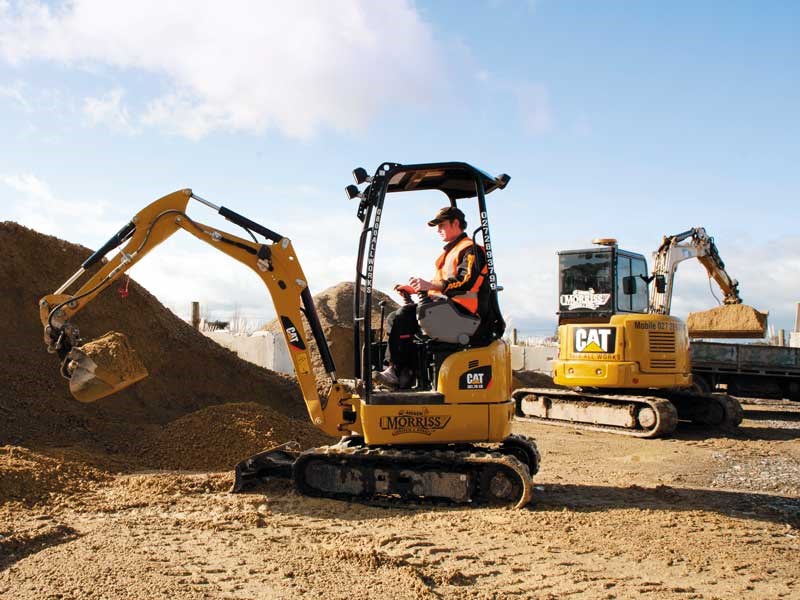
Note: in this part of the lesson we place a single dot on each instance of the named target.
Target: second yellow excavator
(448, 439)
(624, 357)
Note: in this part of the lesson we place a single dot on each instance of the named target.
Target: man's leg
(401, 351)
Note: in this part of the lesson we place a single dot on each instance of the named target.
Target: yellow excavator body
(635, 351)
(625, 361)
(472, 403)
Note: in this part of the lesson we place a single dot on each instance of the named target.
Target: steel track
(493, 475)
(665, 413)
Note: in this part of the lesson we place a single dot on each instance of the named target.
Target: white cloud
(33, 203)
(110, 111)
(15, 93)
(241, 65)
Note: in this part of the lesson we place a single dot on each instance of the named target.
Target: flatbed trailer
(749, 370)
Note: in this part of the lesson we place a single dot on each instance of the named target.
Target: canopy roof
(455, 179)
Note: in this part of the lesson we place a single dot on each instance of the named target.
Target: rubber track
(731, 408)
(666, 414)
(734, 413)
(408, 459)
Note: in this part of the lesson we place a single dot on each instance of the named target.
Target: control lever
(405, 292)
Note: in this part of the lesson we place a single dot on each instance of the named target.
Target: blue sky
(623, 119)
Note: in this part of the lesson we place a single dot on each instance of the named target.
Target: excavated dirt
(335, 309)
(200, 405)
(532, 379)
(113, 352)
(220, 436)
(729, 320)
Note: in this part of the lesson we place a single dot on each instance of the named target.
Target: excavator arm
(275, 263)
(731, 320)
(674, 249)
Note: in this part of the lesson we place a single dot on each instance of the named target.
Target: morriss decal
(584, 299)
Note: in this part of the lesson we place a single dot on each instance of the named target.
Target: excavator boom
(732, 319)
(276, 264)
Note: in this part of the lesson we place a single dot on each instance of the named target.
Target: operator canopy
(456, 179)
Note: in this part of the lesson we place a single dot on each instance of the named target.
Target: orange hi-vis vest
(447, 268)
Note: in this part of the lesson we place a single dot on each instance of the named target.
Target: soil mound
(188, 372)
(532, 379)
(335, 309)
(31, 476)
(220, 436)
(728, 321)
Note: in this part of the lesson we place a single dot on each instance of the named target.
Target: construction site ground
(692, 516)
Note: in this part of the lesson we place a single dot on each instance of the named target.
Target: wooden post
(196, 315)
(514, 337)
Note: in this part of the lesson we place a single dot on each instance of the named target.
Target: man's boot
(388, 377)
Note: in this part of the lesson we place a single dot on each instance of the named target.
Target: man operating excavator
(460, 279)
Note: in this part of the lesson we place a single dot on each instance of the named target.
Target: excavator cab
(446, 330)
(596, 283)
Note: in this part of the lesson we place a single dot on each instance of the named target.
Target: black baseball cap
(448, 213)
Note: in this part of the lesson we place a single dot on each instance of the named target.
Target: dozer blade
(727, 321)
(103, 366)
(276, 462)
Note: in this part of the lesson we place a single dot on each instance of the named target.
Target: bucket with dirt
(103, 366)
(727, 321)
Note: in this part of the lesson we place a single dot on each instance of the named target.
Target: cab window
(632, 293)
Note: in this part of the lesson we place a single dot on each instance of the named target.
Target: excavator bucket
(276, 463)
(727, 321)
(103, 366)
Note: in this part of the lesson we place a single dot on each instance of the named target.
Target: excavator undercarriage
(494, 474)
(632, 414)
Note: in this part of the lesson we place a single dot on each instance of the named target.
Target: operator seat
(442, 321)
(449, 323)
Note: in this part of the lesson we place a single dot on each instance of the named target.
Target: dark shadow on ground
(582, 498)
(744, 505)
(14, 546)
(771, 415)
(689, 431)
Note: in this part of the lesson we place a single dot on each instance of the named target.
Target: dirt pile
(32, 476)
(728, 321)
(218, 437)
(188, 372)
(335, 309)
(531, 379)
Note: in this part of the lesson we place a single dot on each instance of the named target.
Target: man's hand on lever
(423, 285)
(404, 289)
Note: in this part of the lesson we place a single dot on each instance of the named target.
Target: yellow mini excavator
(625, 358)
(448, 439)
